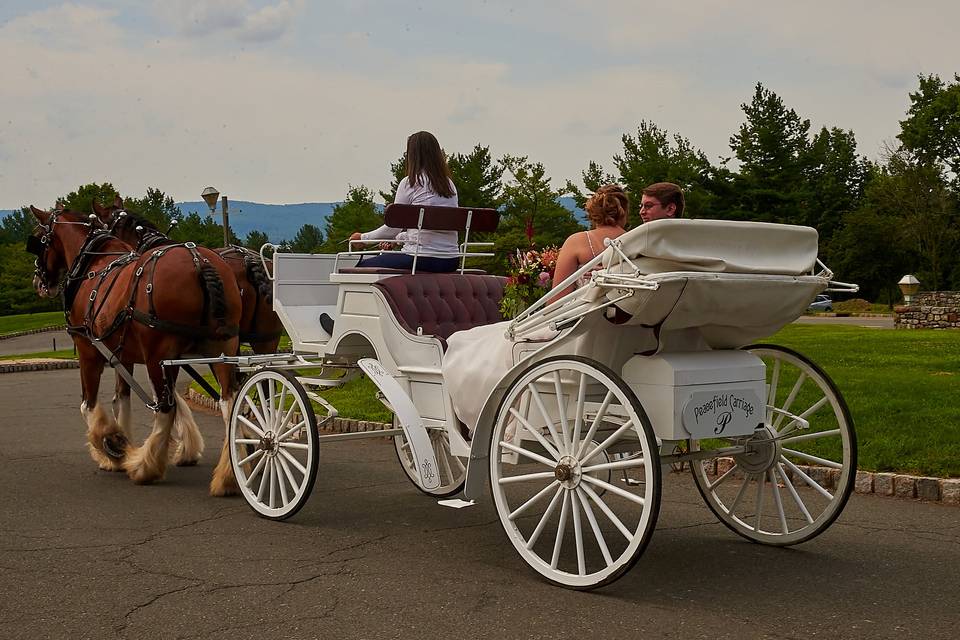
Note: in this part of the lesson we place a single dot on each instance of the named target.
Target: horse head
(56, 242)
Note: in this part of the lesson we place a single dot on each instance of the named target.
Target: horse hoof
(223, 490)
(114, 445)
(186, 463)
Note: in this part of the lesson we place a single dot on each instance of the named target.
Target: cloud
(237, 18)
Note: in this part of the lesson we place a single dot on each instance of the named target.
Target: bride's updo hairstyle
(608, 207)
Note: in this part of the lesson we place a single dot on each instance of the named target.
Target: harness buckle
(93, 295)
(139, 271)
(149, 288)
(91, 275)
(190, 245)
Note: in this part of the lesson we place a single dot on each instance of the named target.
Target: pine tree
(309, 239)
(357, 213)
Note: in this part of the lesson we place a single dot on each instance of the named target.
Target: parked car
(821, 303)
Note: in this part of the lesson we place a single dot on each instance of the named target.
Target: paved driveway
(36, 342)
(86, 554)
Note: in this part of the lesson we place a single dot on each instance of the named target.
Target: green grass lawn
(60, 354)
(902, 388)
(27, 321)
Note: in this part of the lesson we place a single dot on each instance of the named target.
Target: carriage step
(456, 503)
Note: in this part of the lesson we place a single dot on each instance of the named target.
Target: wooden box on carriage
(701, 394)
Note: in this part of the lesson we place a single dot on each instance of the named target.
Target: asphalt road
(36, 342)
(87, 554)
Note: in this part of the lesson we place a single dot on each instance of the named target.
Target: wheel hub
(268, 442)
(568, 472)
(762, 453)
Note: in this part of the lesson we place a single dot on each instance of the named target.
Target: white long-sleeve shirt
(436, 243)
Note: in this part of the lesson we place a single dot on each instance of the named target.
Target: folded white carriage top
(736, 282)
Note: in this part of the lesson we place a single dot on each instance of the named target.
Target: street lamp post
(210, 195)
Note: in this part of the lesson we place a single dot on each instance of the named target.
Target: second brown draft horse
(124, 309)
(260, 327)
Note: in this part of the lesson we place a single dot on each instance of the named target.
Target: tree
(17, 294)
(593, 177)
(531, 212)
(82, 199)
(156, 207)
(477, 177)
(836, 178)
(357, 213)
(256, 239)
(309, 239)
(771, 147)
(17, 225)
(202, 229)
(931, 130)
(398, 170)
(866, 252)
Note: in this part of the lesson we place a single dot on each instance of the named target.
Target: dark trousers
(427, 264)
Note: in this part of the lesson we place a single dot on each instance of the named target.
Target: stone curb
(943, 490)
(30, 332)
(337, 425)
(48, 365)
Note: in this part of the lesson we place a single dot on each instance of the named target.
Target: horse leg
(223, 482)
(191, 445)
(106, 442)
(121, 404)
(149, 462)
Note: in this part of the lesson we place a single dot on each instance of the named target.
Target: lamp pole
(226, 222)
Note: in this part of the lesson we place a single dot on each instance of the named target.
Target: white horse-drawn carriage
(646, 364)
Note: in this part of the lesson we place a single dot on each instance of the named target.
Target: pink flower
(544, 280)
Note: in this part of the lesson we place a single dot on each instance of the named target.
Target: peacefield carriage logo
(721, 413)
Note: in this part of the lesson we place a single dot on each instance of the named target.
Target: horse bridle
(38, 246)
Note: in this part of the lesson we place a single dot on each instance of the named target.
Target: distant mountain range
(282, 221)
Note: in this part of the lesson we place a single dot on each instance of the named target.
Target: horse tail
(258, 277)
(214, 297)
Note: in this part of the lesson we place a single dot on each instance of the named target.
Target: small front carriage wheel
(793, 480)
(274, 445)
(575, 472)
(452, 470)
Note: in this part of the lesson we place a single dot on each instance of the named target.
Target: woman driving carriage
(427, 183)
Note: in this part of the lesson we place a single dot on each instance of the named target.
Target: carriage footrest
(456, 503)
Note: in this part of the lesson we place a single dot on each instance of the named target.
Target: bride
(477, 359)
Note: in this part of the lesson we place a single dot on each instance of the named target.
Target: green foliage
(771, 147)
(202, 229)
(256, 239)
(357, 213)
(17, 294)
(477, 178)
(932, 127)
(16, 226)
(82, 199)
(309, 239)
(530, 205)
(867, 250)
(156, 207)
(593, 177)
(836, 177)
(398, 171)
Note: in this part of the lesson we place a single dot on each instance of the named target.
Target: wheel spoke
(614, 489)
(264, 478)
(546, 515)
(286, 416)
(265, 421)
(294, 445)
(793, 492)
(813, 409)
(532, 501)
(728, 474)
(271, 396)
(528, 454)
(772, 396)
(606, 510)
(560, 530)
(286, 471)
(256, 412)
(273, 482)
(286, 434)
(535, 433)
(527, 477)
(543, 411)
(592, 519)
(578, 533)
(778, 500)
(595, 424)
(578, 420)
(815, 459)
(810, 481)
(256, 471)
(810, 436)
(562, 413)
(283, 485)
(743, 490)
(611, 439)
(790, 398)
(257, 430)
(247, 441)
(279, 413)
(293, 461)
(760, 485)
(617, 464)
(443, 455)
(258, 452)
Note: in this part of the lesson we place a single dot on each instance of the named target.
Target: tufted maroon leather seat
(441, 304)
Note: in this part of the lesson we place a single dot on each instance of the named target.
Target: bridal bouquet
(529, 278)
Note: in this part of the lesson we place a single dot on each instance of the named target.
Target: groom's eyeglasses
(644, 206)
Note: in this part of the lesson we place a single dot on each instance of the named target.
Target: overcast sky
(290, 101)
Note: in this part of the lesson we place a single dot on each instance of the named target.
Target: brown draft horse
(260, 326)
(141, 309)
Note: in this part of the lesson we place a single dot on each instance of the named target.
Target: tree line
(877, 220)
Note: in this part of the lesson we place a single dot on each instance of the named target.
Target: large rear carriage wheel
(575, 472)
(792, 482)
(274, 445)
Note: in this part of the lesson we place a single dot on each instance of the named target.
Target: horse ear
(97, 209)
(40, 214)
(118, 202)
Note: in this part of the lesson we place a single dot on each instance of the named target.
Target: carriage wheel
(563, 427)
(274, 445)
(792, 483)
(453, 470)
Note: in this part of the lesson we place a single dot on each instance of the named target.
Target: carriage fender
(425, 461)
